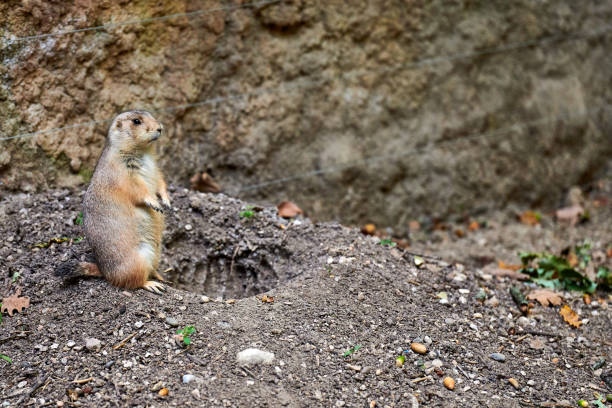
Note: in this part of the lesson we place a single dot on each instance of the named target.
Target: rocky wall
(328, 96)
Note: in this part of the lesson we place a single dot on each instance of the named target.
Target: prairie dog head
(134, 130)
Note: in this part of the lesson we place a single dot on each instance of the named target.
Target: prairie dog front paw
(154, 204)
(165, 199)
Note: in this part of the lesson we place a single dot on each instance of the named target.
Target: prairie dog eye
(136, 121)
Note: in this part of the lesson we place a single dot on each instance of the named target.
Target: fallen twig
(521, 338)
(196, 359)
(124, 341)
(32, 390)
(83, 381)
(418, 380)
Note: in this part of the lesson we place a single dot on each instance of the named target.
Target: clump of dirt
(340, 308)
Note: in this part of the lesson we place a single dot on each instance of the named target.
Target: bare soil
(333, 289)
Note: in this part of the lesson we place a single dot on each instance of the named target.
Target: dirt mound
(344, 307)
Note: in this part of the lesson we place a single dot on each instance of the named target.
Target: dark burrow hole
(235, 274)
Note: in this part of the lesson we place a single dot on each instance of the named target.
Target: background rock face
(330, 91)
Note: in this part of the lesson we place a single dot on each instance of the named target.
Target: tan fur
(123, 215)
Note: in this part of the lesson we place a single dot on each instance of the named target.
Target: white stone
(187, 378)
(254, 356)
(92, 344)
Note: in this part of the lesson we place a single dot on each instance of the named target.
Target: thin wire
(374, 159)
(147, 20)
(427, 61)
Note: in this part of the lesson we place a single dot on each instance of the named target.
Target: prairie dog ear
(118, 124)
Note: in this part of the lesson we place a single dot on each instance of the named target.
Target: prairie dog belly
(147, 246)
(148, 171)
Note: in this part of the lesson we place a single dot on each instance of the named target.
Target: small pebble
(523, 321)
(195, 393)
(70, 344)
(205, 299)
(531, 383)
(360, 296)
(418, 348)
(138, 324)
(498, 357)
(187, 378)
(92, 344)
(188, 227)
(449, 383)
(437, 363)
(172, 321)
(492, 302)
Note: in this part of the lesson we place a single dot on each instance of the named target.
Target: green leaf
(351, 350)
(6, 358)
(387, 242)
(603, 273)
(527, 257)
(547, 283)
(553, 263)
(247, 214)
(79, 219)
(604, 277)
(186, 340)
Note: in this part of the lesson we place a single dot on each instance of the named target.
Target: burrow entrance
(232, 271)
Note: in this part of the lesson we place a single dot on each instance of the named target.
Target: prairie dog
(122, 209)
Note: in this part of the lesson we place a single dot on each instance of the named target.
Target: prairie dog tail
(72, 270)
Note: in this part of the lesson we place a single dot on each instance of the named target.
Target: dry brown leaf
(609, 253)
(204, 183)
(530, 218)
(587, 298)
(15, 302)
(570, 214)
(570, 316)
(287, 209)
(459, 233)
(267, 299)
(546, 297)
(368, 229)
(503, 265)
(474, 226)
